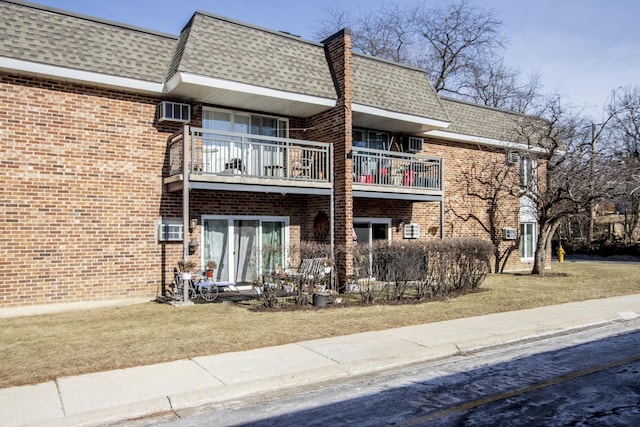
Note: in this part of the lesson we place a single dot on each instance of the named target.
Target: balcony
(239, 161)
(390, 174)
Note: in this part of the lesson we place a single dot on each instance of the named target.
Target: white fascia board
(482, 141)
(79, 75)
(211, 82)
(365, 109)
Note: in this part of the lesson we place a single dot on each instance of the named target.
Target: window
(527, 240)
(241, 153)
(169, 230)
(526, 171)
(235, 121)
(370, 139)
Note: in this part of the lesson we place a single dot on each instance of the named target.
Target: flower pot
(186, 276)
(327, 270)
(320, 300)
(209, 274)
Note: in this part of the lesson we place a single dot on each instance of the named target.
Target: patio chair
(234, 167)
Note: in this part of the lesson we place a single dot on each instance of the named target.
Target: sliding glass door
(371, 230)
(244, 248)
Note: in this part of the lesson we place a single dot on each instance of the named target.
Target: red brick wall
(81, 183)
(479, 186)
(82, 179)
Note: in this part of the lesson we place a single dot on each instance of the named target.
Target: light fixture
(193, 243)
(400, 226)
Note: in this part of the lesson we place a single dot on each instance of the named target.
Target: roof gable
(224, 49)
(481, 121)
(394, 87)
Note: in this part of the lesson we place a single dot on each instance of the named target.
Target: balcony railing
(395, 169)
(215, 152)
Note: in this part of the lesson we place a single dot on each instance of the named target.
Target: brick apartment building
(125, 149)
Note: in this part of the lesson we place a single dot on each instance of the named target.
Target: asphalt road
(587, 378)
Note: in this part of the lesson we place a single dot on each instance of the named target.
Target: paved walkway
(107, 397)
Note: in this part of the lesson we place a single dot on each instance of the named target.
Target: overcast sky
(583, 49)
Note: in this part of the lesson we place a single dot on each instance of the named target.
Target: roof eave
(365, 116)
(479, 140)
(194, 87)
(56, 72)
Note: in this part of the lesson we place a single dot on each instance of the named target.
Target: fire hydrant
(560, 254)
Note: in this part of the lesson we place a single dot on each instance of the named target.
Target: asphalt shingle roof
(222, 48)
(53, 37)
(478, 120)
(394, 87)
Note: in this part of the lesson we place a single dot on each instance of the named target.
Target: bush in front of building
(418, 270)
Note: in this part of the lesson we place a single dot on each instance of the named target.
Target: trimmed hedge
(420, 270)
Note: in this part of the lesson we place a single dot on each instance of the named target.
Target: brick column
(338, 52)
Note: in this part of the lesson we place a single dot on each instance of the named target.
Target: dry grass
(40, 348)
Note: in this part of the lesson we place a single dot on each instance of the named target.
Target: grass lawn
(40, 348)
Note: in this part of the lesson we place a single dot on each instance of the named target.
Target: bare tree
(563, 183)
(335, 20)
(493, 84)
(457, 37)
(485, 188)
(383, 33)
(458, 46)
(624, 156)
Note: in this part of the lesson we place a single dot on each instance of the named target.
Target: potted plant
(328, 264)
(186, 268)
(210, 268)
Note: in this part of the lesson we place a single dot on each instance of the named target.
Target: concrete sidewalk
(107, 397)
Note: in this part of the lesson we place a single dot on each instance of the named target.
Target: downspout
(442, 199)
(332, 208)
(186, 161)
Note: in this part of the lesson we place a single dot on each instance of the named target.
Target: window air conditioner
(415, 144)
(411, 231)
(513, 157)
(170, 231)
(509, 233)
(174, 112)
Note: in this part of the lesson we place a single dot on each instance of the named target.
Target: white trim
(234, 113)
(372, 220)
(482, 141)
(188, 78)
(534, 237)
(373, 111)
(231, 230)
(79, 75)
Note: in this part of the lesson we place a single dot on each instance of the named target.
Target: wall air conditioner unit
(411, 231)
(513, 157)
(509, 234)
(170, 231)
(174, 112)
(414, 144)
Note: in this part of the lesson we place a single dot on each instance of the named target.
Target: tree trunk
(543, 243)
(540, 257)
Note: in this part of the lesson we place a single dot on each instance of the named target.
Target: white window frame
(527, 171)
(370, 222)
(233, 114)
(231, 230)
(164, 232)
(525, 256)
(369, 139)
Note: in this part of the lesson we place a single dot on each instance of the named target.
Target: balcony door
(244, 247)
(236, 154)
(371, 230)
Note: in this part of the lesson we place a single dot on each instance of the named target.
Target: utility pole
(592, 205)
